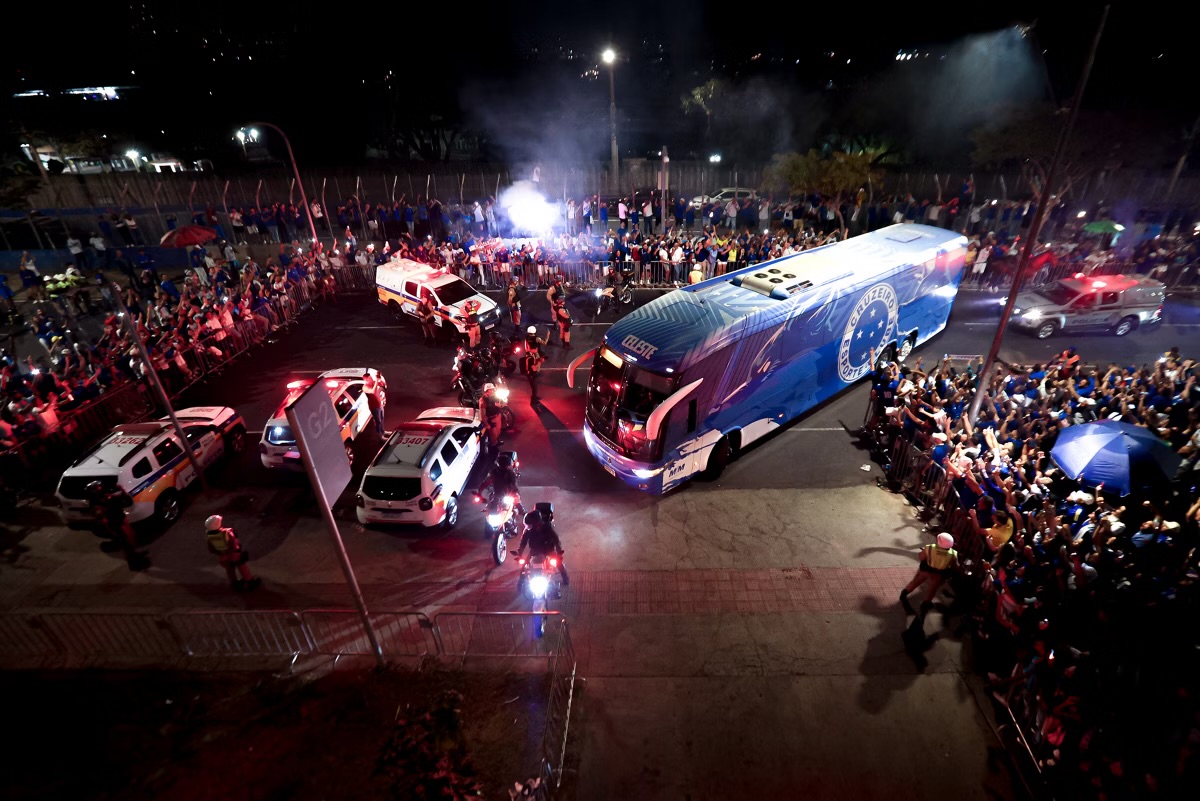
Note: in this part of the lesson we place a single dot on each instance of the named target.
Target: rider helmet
(533, 519)
(488, 387)
(213, 522)
(531, 330)
(94, 488)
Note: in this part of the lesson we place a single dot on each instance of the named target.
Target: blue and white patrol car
(148, 462)
(402, 284)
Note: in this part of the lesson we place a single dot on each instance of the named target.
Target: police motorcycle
(472, 370)
(540, 579)
(505, 353)
(501, 520)
(618, 293)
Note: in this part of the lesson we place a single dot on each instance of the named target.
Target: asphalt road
(741, 638)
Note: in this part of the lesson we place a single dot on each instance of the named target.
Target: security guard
(938, 562)
(562, 317)
(531, 365)
(225, 544)
(425, 314)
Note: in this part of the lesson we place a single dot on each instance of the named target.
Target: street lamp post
(610, 58)
(296, 172)
(666, 186)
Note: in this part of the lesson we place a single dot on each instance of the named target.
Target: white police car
(278, 447)
(420, 473)
(148, 462)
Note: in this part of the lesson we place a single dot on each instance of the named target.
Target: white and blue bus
(683, 383)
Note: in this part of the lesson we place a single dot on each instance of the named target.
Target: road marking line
(564, 430)
(806, 430)
(578, 369)
(369, 327)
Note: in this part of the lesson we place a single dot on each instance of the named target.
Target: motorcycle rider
(474, 332)
(489, 413)
(503, 481)
(531, 365)
(543, 540)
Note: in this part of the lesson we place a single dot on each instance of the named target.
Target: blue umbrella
(1121, 456)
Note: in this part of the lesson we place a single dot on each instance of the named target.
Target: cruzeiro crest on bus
(871, 325)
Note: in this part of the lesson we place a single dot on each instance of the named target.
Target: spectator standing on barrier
(939, 561)
(225, 544)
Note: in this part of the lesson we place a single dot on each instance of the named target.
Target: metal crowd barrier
(497, 634)
(242, 633)
(124, 635)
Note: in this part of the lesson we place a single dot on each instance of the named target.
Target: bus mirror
(654, 422)
(575, 364)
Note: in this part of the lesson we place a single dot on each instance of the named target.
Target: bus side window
(691, 416)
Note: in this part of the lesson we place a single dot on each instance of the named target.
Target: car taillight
(553, 562)
(521, 560)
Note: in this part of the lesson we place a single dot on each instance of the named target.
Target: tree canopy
(1098, 142)
(833, 177)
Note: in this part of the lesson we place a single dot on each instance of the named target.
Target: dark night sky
(326, 76)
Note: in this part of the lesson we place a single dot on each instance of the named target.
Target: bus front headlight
(641, 473)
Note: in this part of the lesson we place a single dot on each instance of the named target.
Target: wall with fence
(154, 197)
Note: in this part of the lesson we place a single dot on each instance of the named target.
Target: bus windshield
(621, 397)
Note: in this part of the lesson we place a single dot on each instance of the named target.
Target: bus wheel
(718, 459)
(884, 357)
(905, 348)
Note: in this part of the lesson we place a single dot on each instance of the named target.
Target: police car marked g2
(148, 462)
(278, 447)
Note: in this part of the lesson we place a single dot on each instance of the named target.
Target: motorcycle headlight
(599, 292)
(538, 586)
(502, 395)
(495, 520)
(508, 500)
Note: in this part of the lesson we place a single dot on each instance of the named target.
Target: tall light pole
(666, 186)
(296, 172)
(610, 58)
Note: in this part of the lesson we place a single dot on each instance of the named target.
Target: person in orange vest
(938, 562)
(1069, 360)
(224, 542)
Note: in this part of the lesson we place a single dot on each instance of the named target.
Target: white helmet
(531, 330)
(213, 522)
(945, 541)
(488, 387)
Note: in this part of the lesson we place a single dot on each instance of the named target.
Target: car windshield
(280, 435)
(391, 488)
(455, 292)
(1058, 294)
(621, 398)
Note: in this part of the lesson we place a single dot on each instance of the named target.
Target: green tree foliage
(1099, 142)
(836, 177)
(704, 99)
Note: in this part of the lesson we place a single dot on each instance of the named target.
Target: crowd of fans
(225, 303)
(1082, 603)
